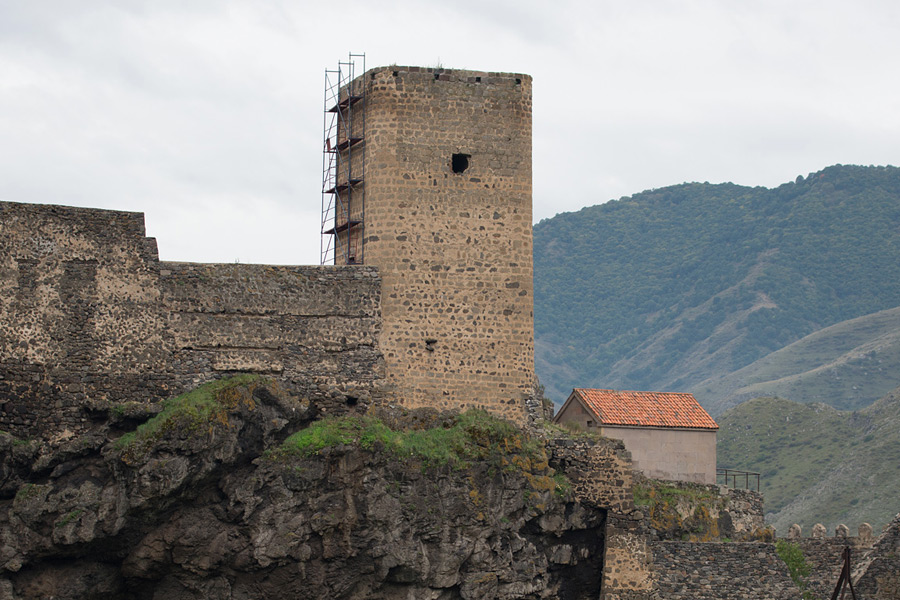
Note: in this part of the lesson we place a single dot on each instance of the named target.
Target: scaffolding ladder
(343, 164)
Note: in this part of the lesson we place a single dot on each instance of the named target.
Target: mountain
(678, 286)
(818, 464)
(848, 366)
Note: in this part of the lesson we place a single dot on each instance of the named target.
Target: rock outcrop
(208, 500)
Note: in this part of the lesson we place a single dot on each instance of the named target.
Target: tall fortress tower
(428, 178)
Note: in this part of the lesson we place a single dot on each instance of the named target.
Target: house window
(590, 423)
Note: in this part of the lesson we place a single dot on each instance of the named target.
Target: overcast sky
(206, 115)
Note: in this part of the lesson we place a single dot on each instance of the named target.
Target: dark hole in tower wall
(460, 162)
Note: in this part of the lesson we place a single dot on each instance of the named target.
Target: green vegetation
(71, 516)
(662, 493)
(562, 485)
(670, 287)
(12, 440)
(818, 464)
(28, 491)
(195, 412)
(792, 556)
(473, 435)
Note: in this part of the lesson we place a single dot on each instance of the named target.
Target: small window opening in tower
(460, 162)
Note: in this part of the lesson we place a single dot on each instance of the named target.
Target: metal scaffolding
(343, 164)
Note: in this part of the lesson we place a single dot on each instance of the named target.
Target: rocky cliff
(210, 498)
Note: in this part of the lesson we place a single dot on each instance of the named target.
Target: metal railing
(733, 477)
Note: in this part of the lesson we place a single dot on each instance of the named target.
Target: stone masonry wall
(875, 562)
(878, 573)
(678, 510)
(79, 314)
(315, 327)
(823, 555)
(601, 476)
(454, 249)
(720, 571)
(640, 559)
(89, 316)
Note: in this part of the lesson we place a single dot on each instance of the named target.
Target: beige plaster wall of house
(676, 454)
(454, 249)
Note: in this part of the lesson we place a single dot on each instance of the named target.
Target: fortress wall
(454, 249)
(78, 286)
(317, 327)
(88, 315)
(823, 555)
(875, 561)
(601, 475)
(639, 561)
(878, 574)
(79, 314)
(720, 571)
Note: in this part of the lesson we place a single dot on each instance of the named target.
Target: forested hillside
(671, 287)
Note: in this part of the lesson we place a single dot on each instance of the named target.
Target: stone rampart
(823, 554)
(90, 316)
(316, 327)
(875, 562)
(877, 575)
(639, 553)
(720, 571)
(680, 510)
(79, 314)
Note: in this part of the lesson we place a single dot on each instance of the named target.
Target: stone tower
(444, 211)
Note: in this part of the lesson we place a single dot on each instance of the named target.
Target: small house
(669, 435)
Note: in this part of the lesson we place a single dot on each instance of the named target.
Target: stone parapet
(877, 575)
(680, 510)
(875, 561)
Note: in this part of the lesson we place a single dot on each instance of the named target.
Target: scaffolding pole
(343, 164)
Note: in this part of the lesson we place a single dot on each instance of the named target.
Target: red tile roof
(647, 409)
